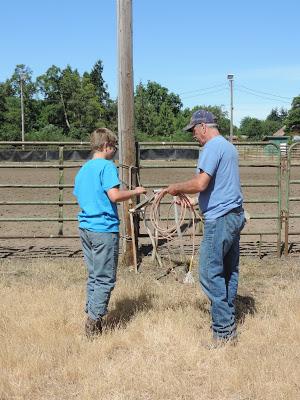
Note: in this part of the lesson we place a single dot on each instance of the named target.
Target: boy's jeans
(219, 269)
(100, 250)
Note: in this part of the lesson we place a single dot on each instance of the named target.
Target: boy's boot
(93, 327)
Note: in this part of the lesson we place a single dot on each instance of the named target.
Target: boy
(97, 191)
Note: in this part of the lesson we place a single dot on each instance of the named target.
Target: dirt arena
(157, 177)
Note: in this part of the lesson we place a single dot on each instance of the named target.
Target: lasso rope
(170, 231)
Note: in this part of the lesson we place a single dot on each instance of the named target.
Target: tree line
(63, 104)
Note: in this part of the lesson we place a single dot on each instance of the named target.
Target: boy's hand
(140, 190)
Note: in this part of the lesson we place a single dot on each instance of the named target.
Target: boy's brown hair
(101, 137)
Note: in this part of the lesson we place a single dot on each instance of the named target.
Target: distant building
(280, 139)
(280, 132)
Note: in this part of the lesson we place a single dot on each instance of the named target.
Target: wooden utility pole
(127, 156)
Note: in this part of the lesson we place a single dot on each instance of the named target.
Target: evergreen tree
(292, 120)
(99, 83)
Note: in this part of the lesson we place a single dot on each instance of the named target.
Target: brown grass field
(153, 346)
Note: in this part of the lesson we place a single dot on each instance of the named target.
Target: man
(220, 198)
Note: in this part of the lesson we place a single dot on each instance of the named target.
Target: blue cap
(199, 117)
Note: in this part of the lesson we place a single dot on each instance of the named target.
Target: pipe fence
(270, 182)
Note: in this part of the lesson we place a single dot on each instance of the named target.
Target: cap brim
(189, 127)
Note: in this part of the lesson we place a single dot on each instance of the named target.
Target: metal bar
(272, 217)
(274, 233)
(290, 182)
(167, 166)
(18, 143)
(165, 143)
(38, 203)
(22, 166)
(241, 144)
(39, 237)
(286, 211)
(279, 192)
(250, 201)
(255, 201)
(61, 181)
(286, 231)
(40, 219)
(173, 165)
(162, 185)
(23, 185)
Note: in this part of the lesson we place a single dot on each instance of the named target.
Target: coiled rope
(170, 231)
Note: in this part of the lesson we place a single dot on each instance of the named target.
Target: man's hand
(171, 189)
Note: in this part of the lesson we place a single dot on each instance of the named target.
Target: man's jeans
(219, 269)
(100, 250)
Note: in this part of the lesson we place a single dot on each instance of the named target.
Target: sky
(188, 46)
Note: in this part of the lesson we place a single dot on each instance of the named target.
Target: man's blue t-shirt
(94, 179)
(219, 159)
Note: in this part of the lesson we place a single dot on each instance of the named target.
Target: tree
(22, 76)
(277, 115)
(99, 83)
(51, 87)
(271, 126)
(292, 120)
(73, 101)
(3, 108)
(252, 127)
(156, 109)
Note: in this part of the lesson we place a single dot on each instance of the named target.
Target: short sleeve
(209, 160)
(110, 176)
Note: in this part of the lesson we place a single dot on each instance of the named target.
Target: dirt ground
(156, 177)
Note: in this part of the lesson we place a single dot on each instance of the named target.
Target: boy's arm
(115, 194)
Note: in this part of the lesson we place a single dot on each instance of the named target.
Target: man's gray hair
(214, 125)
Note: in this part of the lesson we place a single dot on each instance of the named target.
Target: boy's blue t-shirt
(219, 159)
(94, 179)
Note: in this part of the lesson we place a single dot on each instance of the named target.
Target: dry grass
(152, 347)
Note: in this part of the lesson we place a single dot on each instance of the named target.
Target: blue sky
(185, 45)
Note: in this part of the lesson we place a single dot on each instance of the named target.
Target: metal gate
(291, 209)
(263, 197)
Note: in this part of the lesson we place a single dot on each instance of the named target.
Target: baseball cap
(200, 116)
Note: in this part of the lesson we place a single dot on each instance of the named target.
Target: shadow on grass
(125, 309)
(202, 306)
(245, 305)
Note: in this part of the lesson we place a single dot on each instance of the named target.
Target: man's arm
(198, 184)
